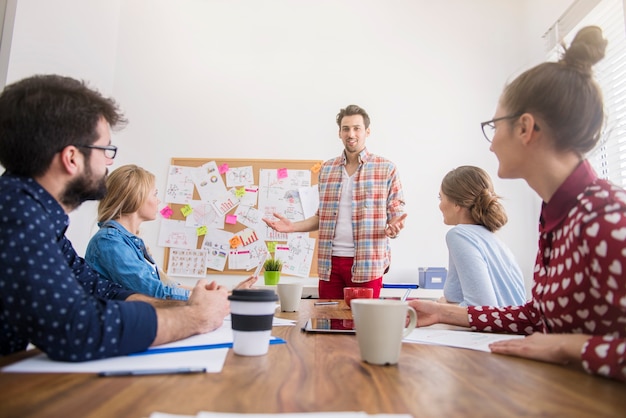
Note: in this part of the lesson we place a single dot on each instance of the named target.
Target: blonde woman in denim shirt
(116, 251)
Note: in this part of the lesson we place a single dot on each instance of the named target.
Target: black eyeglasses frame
(110, 151)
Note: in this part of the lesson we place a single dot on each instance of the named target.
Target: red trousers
(341, 276)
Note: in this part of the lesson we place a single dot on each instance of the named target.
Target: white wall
(265, 79)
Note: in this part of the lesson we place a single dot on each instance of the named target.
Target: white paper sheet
(342, 414)
(211, 359)
(455, 338)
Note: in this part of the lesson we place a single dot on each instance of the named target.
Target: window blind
(609, 157)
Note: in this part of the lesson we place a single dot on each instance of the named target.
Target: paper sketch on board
(297, 255)
(203, 214)
(217, 247)
(225, 202)
(250, 196)
(278, 192)
(310, 199)
(179, 184)
(239, 176)
(188, 263)
(248, 257)
(208, 181)
(250, 217)
(175, 234)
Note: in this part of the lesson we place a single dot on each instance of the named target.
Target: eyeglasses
(491, 124)
(110, 151)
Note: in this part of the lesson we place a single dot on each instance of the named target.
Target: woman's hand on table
(551, 348)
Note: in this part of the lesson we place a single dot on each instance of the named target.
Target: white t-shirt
(343, 242)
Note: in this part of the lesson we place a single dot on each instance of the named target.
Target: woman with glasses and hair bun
(481, 269)
(116, 251)
(547, 119)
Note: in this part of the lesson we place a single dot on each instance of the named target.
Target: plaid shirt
(377, 198)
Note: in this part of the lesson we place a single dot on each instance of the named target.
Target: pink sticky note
(167, 212)
(223, 168)
(282, 173)
(231, 219)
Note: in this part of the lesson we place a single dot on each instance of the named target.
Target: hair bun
(587, 48)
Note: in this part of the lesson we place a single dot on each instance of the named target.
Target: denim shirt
(122, 257)
(49, 296)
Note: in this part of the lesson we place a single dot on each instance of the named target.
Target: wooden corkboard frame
(257, 165)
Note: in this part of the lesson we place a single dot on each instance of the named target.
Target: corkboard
(257, 165)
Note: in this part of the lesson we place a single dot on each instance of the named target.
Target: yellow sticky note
(186, 210)
(202, 230)
(239, 192)
(271, 246)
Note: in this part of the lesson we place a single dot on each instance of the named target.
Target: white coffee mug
(380, 328)
(289, 295)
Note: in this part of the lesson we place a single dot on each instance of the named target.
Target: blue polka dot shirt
(49, 296)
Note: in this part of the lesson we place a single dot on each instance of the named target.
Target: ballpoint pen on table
(325, 303)
(148, 372)
(407, 286)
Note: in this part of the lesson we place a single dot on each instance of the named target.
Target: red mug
(350, 293)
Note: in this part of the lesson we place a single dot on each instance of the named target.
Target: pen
(325, 303)
(406, 295)
(148, 372)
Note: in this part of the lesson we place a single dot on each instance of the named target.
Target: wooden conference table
(323, 372)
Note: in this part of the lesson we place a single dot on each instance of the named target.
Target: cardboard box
(432, 277)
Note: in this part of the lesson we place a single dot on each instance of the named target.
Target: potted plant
(272, 269)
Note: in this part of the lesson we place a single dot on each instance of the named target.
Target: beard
(84, 188)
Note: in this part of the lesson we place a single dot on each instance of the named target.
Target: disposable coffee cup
(252, 313)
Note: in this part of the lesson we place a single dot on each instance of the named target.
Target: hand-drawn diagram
(208, 181)
(297, 255)
(239, 176)
(225, 202)
(175, 234)
(217, 247)
(250, 217)
(203, 214)
(190, 263)
(179, 184)
(281, 194)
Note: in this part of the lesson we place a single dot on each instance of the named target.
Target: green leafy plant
(272, 264)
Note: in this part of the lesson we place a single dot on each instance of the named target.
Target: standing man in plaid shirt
(361, 207)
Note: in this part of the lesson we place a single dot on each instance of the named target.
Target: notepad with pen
(178, 349)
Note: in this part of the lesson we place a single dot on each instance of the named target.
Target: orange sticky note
(316, 168)
(235, 241)
(282, 173)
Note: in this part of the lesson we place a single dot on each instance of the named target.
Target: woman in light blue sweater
(481, 270)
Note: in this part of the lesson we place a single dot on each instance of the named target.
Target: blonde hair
(128, 188)
(471, 188)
